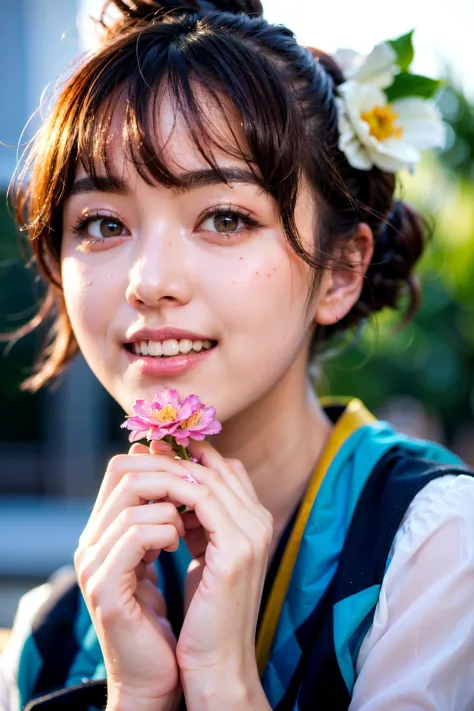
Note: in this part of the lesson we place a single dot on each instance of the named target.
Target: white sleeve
(9, 660)
(419, 653)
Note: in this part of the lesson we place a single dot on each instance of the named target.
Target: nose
(159, 274)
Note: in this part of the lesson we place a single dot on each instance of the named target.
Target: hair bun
(136, 10)
(397, 249)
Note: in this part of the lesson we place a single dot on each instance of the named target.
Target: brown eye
(108, 227)
(226, 223)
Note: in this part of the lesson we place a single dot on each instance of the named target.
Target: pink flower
(166, 415)
(201, 423)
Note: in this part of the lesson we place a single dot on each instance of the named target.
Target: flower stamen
(167, 414)
(381, 120)
(191, 421)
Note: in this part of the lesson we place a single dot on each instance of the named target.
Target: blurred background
(54, 445)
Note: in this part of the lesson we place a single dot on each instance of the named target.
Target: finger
(160, 514)
(118, 467)
(157, 446)
(115, 581)
(151, 596)
(138, 448)
(235, 477)
(242, 508)
(242, 475)
(253, 521)
(135, 489)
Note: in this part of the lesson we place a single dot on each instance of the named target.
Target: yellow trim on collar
(354, 416)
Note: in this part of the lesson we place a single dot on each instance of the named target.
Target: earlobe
(344, 277)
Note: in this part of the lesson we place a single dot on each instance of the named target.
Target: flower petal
(213, 427)
(143, 408)
(136, 423)
(377, 69)
(190, 478)
(347, 60)
(182, 437)
(135, 436)
(188, 407)
(393, 155)
(421, 122)
(166, 396)
(355, 153)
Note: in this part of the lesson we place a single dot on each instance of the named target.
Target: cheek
(83, 291)
(261, 295)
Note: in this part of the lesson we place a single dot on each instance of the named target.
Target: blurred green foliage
(431, 359)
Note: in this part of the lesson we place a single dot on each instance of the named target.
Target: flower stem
(185, 455)
(184, 452)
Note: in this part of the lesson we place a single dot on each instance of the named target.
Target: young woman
(200, 181)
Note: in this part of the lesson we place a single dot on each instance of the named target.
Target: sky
(443, 36)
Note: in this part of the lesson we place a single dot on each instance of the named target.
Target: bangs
(201, 74)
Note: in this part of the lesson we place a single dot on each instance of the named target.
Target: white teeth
(170, 347)
(185, 345)
(155, 348)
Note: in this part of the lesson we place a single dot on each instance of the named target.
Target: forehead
(168, 135)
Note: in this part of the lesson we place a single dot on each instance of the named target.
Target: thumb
(138, 448)
(157, 446)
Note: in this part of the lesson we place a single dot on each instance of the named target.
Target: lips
(166, 366)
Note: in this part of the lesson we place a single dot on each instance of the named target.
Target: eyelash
(83, 223)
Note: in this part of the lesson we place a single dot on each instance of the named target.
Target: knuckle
(135, 533)
(126, 516)
(106, 614)
(115, 465)
(84, 575)
(115, 461)
(169, 511)
(92, 593)
(205, 494)
(268, 518)
(245, 552)
(236, 465)
(127, 482)
(77, 558)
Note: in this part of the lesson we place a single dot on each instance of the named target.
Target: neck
(279, 442)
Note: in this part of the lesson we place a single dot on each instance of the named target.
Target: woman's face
(159, 258)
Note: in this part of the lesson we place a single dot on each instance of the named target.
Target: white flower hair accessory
(386, 114)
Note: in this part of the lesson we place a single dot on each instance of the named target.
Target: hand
(229, 535)
(122, 539)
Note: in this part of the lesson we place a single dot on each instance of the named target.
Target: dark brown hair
(284, 96)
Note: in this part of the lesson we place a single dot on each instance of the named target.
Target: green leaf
(403, 47)
(408, 85)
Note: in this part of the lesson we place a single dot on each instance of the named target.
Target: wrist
(218, 688)
(128, 701)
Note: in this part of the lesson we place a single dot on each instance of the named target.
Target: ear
(342, 282)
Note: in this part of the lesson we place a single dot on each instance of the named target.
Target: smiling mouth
(169, 348)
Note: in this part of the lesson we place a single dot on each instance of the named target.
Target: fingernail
(157, 445)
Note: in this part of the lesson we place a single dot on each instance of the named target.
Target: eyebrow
(190, 180)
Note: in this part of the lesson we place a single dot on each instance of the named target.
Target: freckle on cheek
(257, 273)
(240, 259)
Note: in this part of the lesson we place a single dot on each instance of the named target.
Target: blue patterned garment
(329, 605)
